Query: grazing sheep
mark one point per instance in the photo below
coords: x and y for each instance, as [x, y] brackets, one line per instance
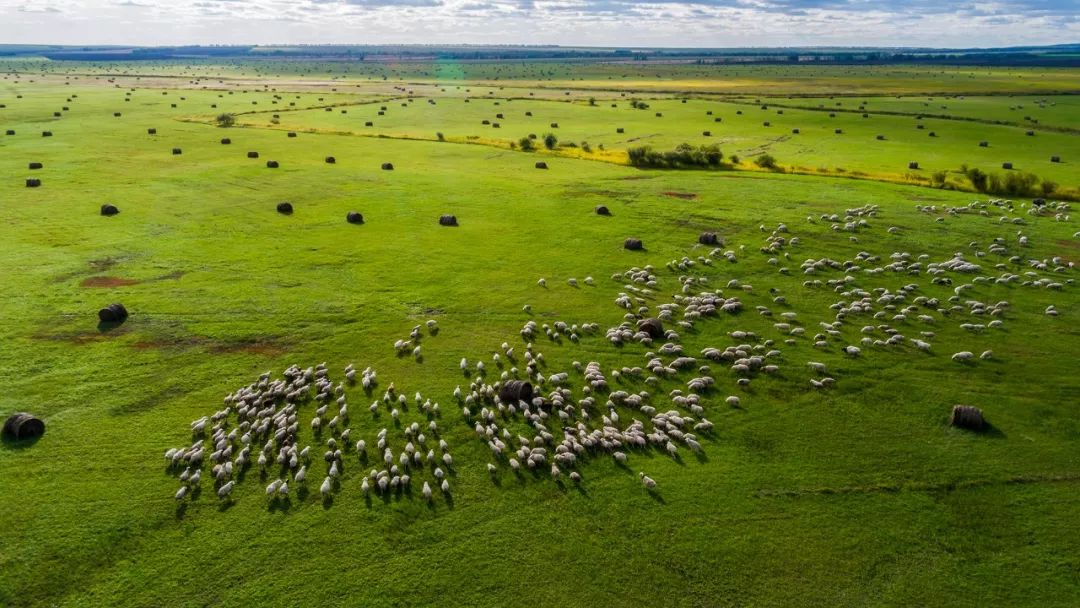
[963, 356]
[647, 481]
[325, 488]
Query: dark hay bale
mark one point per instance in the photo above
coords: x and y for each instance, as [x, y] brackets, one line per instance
[832, 115]
[116, 114]
[177, 151]
[620, 130]
[984, 144]
[765, 124]
[485, 122]
[932, 134]
[56, 114]
[292, 133]
[554, 125]
[838, 131]
[967, 417]
[602, 210]
[109, 209]
[33, 183]
[271, 164]
[494, 125]
[795, 131]
[35, 166]
[354, 217]
[1055, 159]
[284, 207]
[633, 244]
[253, 155]
[388, 166]
[913, 165]
[330, 160]
[659, 114]
[113, 313]
[879, 137]
[866, 116]
[151, 131]
[1006, 165]
[1039, 202]
[708, 238]
[920, 126]
[448, 220]
[1030, 133]
[498, 116]
[541, 164]
[225, 141]
[738, 112]
[653, 327]
[706, 133]
[9, 132]
[21, 425]
[514, 391]
[369, 124]
[528, 113]
[718, 119]
[708, 112]
[381, 113]
[46, 133]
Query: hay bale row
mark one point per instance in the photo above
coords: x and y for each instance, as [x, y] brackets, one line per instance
[515, 391]
[967, 417]
[21, 425]
[113, 313]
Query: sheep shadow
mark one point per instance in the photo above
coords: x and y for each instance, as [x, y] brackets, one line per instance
[181, 509]
[327, 501]
[281, 505]
[653, 494]
[449, 500]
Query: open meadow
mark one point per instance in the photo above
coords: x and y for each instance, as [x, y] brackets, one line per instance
[689, 381]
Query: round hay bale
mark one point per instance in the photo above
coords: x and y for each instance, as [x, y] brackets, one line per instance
[708, 238]
[448, 220]
[113, 313]
[718, 119]
[554, 125]
[541, 164]
[633, 244]
[116, 114]
[56, 114]
[984, 144]
[932, 134]
[913, 165]
[620, 130]
[388, 166]
[271, 164]
[653, 327]
[109, 209]
[330, 160]
[1006, 165]
[177, 151]
[967, 417]
[795, 131]
[602, 210]
[866, 115]
[35, 166]
[765, 124]
[33, 183]
[1055, 159]
[253, 155]
[225, 141]
[354, 217]
[369, 124]
[46, 133]
[838, 131]
[1030, 133]
[920, 126]
[151, 131]
[514, 391]
[485, 122]
[292, 133]
[9, 132]
[21, 425]
[499, 116]
[706, 133]
[284, 207]
[879, 137]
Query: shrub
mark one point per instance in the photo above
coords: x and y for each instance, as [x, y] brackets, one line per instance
[683, 156]
[550, 141]
[937, 178]
[225, 120]
[765, 161]
[734, 159]
[1048, 187]
[440, 136]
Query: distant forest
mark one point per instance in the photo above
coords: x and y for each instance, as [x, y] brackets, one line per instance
[1066, 55]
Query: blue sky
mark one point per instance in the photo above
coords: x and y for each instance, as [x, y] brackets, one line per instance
[713, 23]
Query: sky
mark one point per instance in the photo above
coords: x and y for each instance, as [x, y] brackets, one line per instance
[668, 23]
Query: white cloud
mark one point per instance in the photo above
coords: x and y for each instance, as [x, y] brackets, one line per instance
[696, 23]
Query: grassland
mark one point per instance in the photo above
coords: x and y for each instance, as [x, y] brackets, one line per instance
[856, 495]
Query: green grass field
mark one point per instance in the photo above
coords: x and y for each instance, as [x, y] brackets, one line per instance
[858, 494]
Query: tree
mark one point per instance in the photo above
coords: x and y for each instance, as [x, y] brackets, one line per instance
[765, 161]
[550, 141]
[225, 120]
[526, 144]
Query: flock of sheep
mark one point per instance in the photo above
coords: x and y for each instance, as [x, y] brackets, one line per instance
[547, 422]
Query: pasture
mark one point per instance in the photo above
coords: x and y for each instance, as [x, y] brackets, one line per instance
[839, 485]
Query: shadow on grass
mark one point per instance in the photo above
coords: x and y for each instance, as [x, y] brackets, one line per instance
[107, 326]
[11, 443]
[653, 494]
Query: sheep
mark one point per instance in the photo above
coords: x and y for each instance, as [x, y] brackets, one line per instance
[325, 488]
[445, 487]
[647, 481]
[226, 489]
[426, 491]
[963, 356]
